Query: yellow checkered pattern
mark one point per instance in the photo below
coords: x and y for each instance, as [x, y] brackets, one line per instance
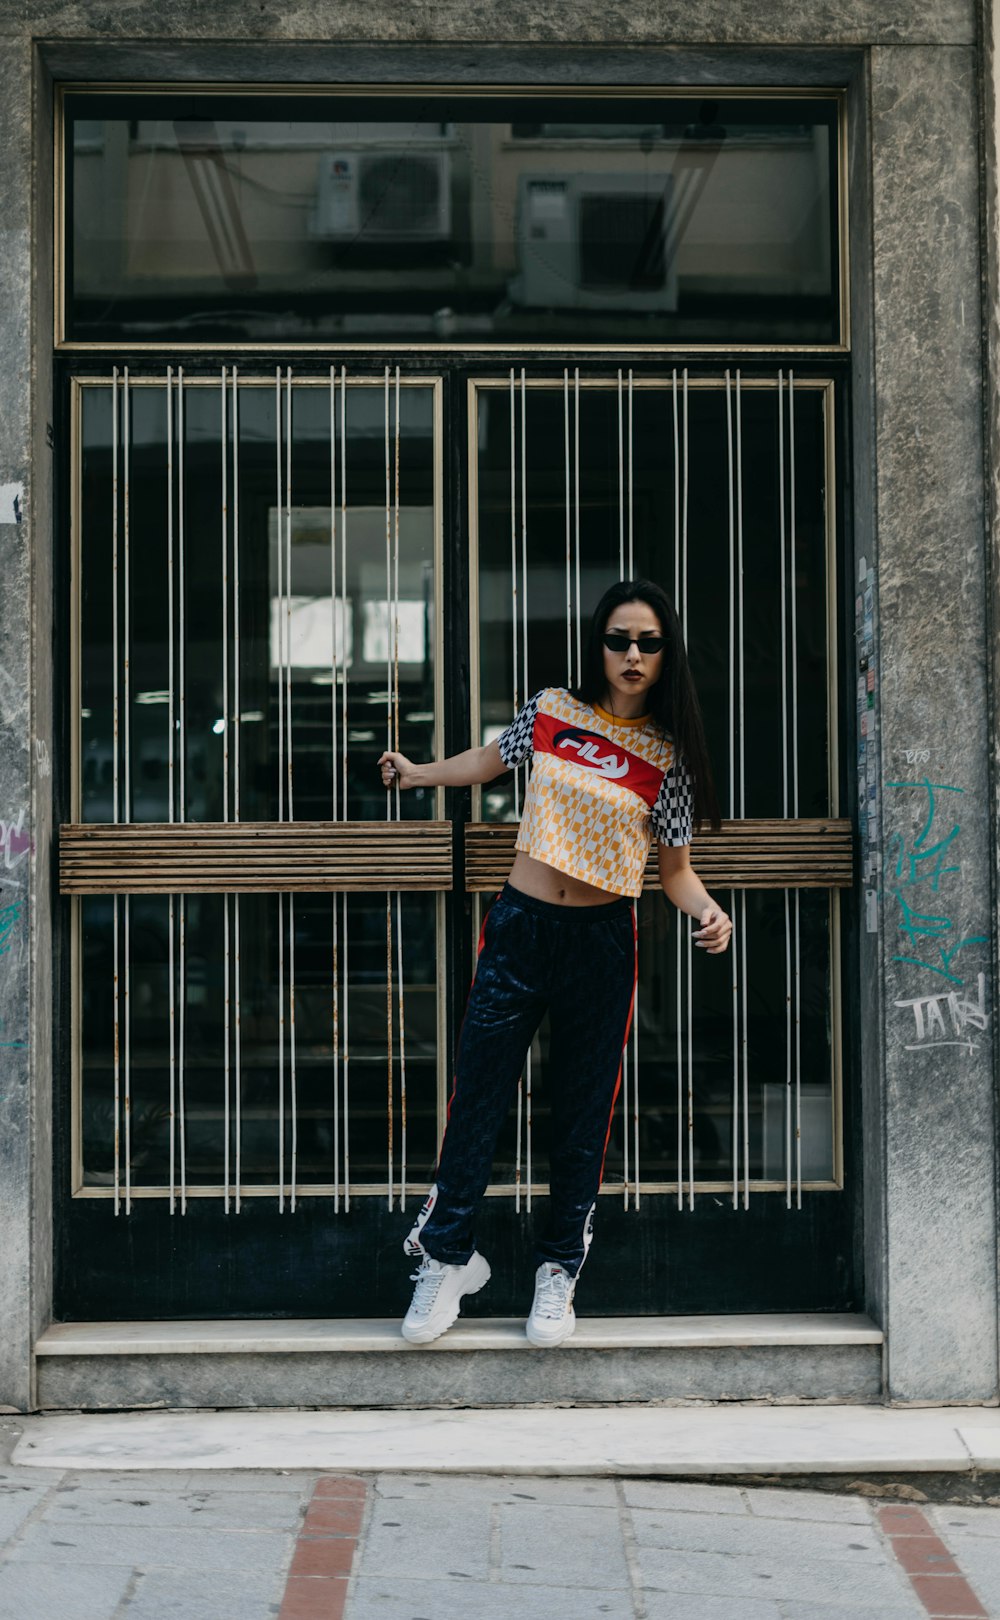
[584, 824]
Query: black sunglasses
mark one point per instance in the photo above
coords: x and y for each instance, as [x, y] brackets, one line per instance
[645, 644]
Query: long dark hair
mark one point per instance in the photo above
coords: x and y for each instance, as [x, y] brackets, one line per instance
[673, 701]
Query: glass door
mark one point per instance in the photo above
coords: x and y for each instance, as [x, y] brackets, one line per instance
[257, 1057]
[728, 1143]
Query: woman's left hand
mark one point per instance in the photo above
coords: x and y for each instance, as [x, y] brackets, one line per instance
[715, 930]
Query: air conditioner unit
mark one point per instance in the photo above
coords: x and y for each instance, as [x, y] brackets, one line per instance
[596, 241]
[380, 194]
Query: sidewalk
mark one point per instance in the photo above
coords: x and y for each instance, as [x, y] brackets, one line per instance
[245, 1545]
[163, 1516]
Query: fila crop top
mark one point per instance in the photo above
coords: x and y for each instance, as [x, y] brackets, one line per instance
[599, 788]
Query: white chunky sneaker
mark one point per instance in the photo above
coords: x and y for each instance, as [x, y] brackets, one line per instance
[438, 1296]
[552, 1316]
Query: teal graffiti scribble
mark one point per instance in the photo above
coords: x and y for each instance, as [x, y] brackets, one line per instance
[9, 916]
[924, 862]
[911, 873]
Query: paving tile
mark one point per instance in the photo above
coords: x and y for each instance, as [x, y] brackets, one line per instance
[141, 1481]
[323, 1555]
[570, 1492]
[250, 1479]
[15, 1505]
[331, 1516]
[949, 1596]
[78, 1591]
[207, 1595]
[774, 1538]
[310, 1598]
[203, 1510]
[911, 1609]
[717, 1574]
[669, 1606]
[969, 1521]
[584, 1544]
[384, 1598]
[342, 1487]
[820, 1505]
[431, 1539]
[248, 1550]
[677, 1494]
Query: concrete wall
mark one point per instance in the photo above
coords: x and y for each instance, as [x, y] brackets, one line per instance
[918, 518]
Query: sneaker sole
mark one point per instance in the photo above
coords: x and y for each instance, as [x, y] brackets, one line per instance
[550, 1344]
[479, 1276]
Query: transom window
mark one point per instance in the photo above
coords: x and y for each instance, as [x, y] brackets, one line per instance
[461, 218]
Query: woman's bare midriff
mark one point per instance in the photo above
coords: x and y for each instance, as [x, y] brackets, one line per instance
[558, 888]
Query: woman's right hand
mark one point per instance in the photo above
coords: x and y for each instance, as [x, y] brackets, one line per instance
[397, 768]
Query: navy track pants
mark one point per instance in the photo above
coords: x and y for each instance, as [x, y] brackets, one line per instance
[579, 963]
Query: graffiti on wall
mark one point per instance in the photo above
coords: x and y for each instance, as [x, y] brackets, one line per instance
[930, 936]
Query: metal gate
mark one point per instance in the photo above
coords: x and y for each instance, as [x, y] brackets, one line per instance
[265, 596]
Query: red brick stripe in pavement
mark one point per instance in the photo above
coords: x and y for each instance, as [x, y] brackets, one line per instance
[316, 1588]
[934, 1575]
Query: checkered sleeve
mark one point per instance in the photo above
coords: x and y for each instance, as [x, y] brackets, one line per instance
[674, 804]
[515, 744]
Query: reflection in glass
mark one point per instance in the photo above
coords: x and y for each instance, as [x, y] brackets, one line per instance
[454, 219]
[329, 641]
[203, 1120]
[299, 611]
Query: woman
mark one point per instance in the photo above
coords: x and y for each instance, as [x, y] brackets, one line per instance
[614, 761]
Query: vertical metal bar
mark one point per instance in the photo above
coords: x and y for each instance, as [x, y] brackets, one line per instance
[399, 897]
[171, 924]
[279, 616]
[513, 575]
[784, 787]
[517, 791]
[227, 965]
[677, 495]
[579, 619]
[678, 987]
[744, 1049]
[224, 452]
[390, 1100]
[685, 502]
[293, 1085]
[334, 781]
[293, 1082]
[527, 689]
[344, 742]
[127, 718]
[732, 791]
[182, 797]
[517, 1151]
[631, 501]
[237, 1033]
[288, 589]
[621, 484]
[569, 543]
[795, 793]
[524, 539]
[635, 1060]
[237, 716]
[115, 606]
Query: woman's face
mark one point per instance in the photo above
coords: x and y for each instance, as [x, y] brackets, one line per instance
[633, 672]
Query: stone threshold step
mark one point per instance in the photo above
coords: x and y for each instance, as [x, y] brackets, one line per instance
[348, 1336]
[679, 1442]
